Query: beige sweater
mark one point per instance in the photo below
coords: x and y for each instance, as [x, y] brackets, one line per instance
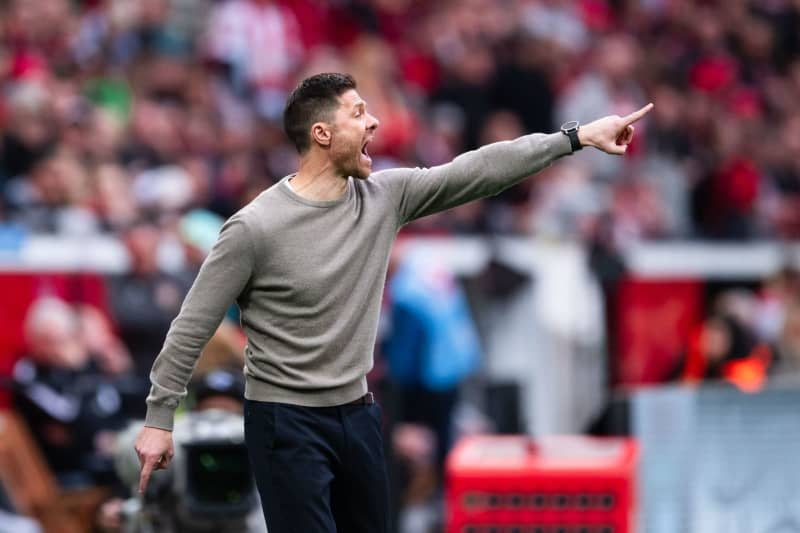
[308, 276]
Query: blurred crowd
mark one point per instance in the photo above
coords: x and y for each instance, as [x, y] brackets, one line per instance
[115, 112]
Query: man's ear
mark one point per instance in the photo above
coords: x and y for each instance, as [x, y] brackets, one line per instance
[321, 133]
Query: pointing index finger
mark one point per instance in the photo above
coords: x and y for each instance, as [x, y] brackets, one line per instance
[144, 478]
[636, 115]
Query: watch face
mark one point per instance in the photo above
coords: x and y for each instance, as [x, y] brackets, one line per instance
[572, 125]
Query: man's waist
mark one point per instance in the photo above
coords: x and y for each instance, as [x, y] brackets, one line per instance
[367, 399]
[263, 391]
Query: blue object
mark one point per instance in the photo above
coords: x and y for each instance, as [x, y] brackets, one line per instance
[12, 237]
[433, 341]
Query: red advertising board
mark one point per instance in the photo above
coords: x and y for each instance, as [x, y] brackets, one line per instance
[653, 321]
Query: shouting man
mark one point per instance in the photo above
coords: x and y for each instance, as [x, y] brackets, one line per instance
[306, 263]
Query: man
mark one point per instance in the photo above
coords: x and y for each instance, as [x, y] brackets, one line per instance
[306, 263]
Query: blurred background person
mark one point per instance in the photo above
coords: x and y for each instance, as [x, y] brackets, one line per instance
[145, 300]
[723, 349]
[430, 346]
[65, 389]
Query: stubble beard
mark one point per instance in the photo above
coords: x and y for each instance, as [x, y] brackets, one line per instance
[352, 166]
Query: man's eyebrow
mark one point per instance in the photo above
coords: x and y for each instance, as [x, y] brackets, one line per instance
[362, 104]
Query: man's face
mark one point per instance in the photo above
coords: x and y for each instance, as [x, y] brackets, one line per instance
[352, 129]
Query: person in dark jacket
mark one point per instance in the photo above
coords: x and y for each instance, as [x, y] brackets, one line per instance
[68, 395]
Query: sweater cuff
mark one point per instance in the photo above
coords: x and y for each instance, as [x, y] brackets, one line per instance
[159, 416]
[559, 145]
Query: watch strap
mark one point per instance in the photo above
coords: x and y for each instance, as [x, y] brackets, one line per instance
[574, 141]
[570, 129]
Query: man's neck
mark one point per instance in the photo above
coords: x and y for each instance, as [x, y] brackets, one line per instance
[316, 180]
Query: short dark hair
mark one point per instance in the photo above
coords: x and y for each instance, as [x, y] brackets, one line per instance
[311, 101]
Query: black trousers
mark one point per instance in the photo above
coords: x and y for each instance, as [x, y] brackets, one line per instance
[319, 469]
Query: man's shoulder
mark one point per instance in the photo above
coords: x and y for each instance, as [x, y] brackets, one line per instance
[265, 215]
[394, 172]
[387, 180]
[267, 201]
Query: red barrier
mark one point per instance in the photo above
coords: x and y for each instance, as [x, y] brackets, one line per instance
[512, 484]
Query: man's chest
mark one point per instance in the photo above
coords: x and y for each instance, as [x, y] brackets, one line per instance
[310, 262]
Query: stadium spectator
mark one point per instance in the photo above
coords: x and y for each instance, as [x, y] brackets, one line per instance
[431, 345]
[66, 391]
[722, 348]
[145, 300]
[239, 33]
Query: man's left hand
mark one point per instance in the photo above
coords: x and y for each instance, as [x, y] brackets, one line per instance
[612, 134]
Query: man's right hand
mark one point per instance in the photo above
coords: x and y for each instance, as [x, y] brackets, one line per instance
[155, 450]
[612, 134]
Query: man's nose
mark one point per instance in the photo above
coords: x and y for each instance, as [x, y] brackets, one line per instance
[373, 123]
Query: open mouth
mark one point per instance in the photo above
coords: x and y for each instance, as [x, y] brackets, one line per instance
[364, 151]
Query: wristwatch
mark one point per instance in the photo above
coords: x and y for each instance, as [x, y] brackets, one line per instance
[570, 129]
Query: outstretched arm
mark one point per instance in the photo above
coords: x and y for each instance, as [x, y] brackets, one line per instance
[495, 167]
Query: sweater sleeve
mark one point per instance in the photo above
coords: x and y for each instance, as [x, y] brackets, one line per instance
[486, 171]
[222, 277]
